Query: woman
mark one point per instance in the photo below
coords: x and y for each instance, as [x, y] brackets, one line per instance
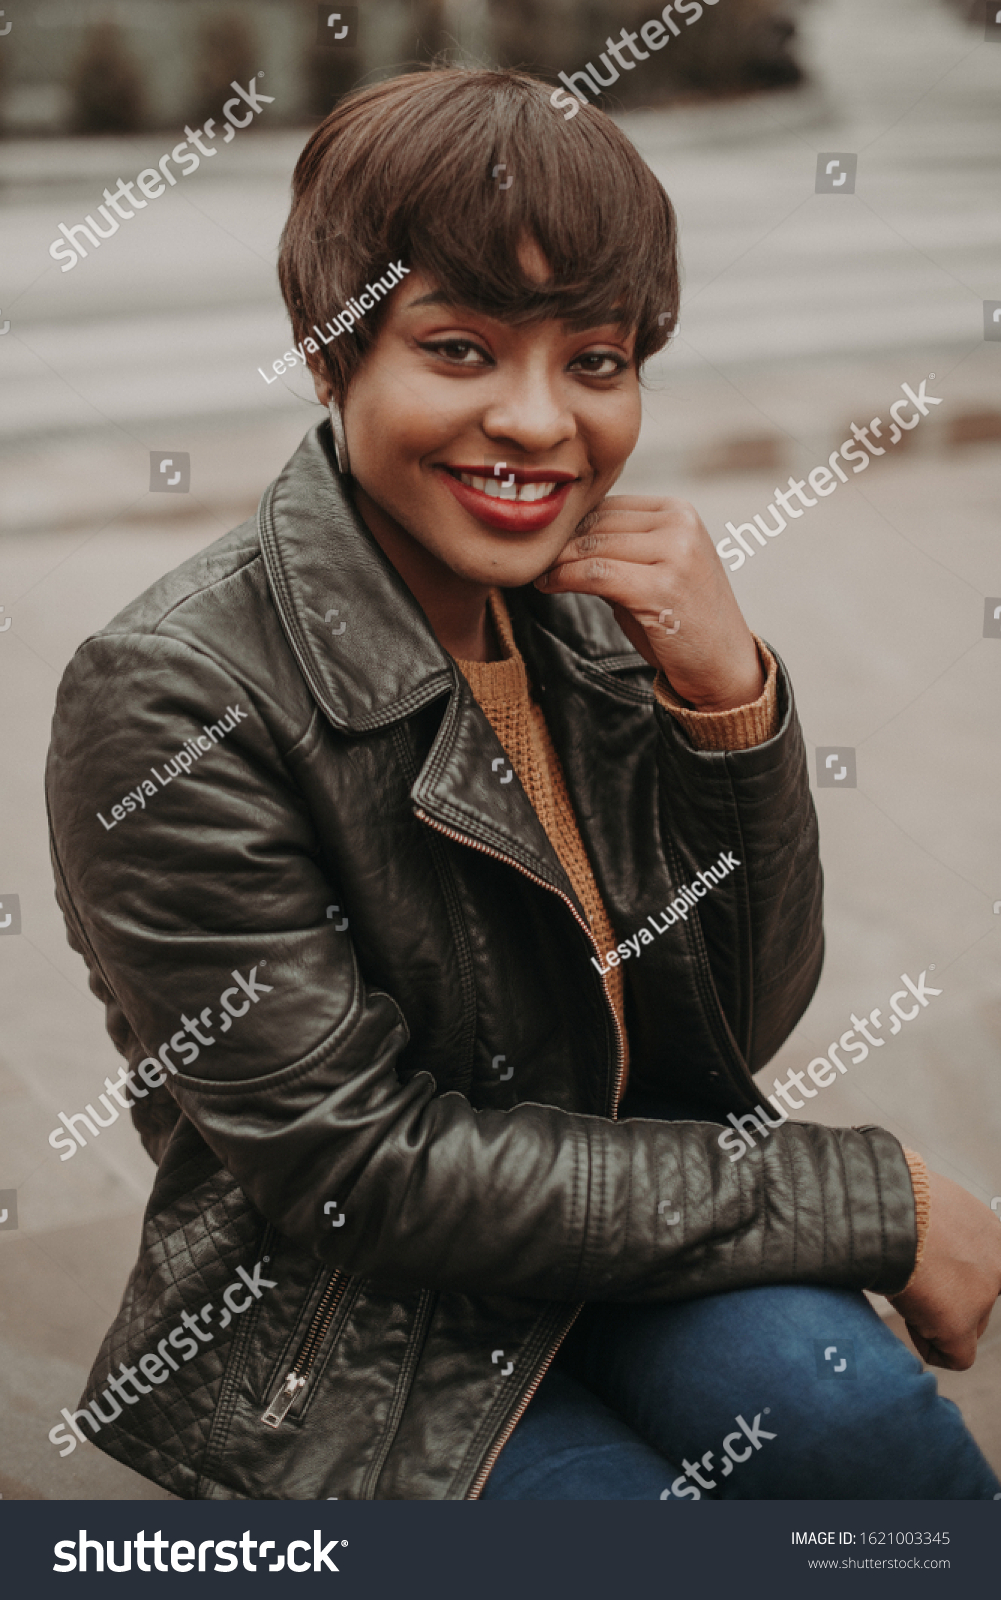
[488, 879]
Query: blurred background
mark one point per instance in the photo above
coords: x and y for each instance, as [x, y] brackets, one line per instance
[803, 313]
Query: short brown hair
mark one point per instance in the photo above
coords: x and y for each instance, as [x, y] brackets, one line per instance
[404, 170]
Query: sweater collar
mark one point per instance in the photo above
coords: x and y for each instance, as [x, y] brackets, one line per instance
[503, 682]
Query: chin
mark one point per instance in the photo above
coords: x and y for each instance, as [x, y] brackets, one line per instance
[502, 573]
[497, 562]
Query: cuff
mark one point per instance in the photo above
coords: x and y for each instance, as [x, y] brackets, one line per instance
[922, 1205]
[738, 729]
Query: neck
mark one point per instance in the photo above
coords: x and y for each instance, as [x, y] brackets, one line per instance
[455, 607]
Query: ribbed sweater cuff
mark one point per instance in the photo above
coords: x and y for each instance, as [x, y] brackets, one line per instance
[922, 1204]
[739, 729]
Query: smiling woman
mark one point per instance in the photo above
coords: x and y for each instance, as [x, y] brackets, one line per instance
[498, 763]
[511, 354]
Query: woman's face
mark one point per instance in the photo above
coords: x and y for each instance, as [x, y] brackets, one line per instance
[450, 405]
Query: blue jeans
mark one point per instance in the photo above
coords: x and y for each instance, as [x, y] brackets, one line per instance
[795, 1393]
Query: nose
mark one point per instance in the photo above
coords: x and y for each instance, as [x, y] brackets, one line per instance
[531, 414]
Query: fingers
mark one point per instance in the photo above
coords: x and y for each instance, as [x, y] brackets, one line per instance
[623, 583]
[921, 1345]
[643, 512]
[675, 528]
[635, 539]
[597, 550]
[953, 1354]
[954, 1358]
[641, 534]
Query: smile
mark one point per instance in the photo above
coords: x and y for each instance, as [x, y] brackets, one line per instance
[505, 490]
[515, 500]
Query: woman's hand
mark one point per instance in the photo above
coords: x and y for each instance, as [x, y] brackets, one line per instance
[949, 1300]
[652, 559]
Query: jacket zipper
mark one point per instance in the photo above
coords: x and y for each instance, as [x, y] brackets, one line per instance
[451, 833]
[488, 1466]
[298, 1377]
[487, 850]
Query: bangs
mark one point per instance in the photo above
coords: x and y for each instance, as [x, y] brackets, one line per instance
[449, 171]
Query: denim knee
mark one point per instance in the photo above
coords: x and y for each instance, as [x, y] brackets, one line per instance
[849, 1413]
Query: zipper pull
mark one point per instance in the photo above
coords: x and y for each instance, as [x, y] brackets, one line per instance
[279, 1408]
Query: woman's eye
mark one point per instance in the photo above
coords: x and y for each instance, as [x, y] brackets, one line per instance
[460, 352]
[600, 364]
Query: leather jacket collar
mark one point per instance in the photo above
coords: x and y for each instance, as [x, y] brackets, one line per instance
[363, 643]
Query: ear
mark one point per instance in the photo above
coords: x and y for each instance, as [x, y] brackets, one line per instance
[322, 385]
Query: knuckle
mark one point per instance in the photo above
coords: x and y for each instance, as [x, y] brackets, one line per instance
[682, 509]
[685, 520]
[688, 544]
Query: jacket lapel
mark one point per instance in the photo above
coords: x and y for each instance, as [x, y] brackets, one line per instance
[362, 641]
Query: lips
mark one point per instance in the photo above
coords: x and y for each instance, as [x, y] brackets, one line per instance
[515, 499]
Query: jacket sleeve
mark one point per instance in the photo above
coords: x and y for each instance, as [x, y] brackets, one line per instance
[203, 916]
[765, 942]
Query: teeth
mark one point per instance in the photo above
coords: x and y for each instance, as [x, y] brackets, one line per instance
[502, 490]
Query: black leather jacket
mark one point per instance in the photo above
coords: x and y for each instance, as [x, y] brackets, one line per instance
[401, 1133]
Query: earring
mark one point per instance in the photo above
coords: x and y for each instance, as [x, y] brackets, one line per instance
[340, 440]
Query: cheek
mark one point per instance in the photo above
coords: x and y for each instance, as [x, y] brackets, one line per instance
[615, 432]
[391, 425]
[384, 441]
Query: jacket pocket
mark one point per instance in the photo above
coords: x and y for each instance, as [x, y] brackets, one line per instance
[292, 1384]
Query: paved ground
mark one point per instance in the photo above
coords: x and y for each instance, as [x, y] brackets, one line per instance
[802, 314]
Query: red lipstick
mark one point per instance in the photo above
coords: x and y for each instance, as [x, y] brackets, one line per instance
[510, 516]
